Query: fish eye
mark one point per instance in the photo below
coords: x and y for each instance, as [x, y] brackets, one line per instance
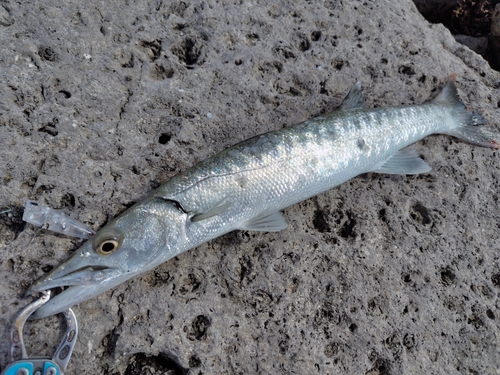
[107, 247]
[107, 242]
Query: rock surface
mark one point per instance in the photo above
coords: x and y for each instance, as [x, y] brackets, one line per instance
[103, 101]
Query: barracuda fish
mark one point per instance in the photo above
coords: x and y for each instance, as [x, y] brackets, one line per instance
[246, 186]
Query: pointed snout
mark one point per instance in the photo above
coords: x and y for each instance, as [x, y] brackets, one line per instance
[68, 273]
[85, 278]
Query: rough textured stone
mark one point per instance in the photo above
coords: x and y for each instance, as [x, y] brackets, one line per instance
[102, 101]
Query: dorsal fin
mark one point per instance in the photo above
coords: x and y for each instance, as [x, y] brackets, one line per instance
[354, 98]
[449, 94]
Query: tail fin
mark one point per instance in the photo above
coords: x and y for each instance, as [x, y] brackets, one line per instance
[468, 128]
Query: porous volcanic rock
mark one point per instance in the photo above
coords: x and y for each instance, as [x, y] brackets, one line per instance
[102, 101]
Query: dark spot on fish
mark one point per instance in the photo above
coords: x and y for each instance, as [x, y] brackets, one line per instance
[356, 122]
[241, 182]
[361, 144]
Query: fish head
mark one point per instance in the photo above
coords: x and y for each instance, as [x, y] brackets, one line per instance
[144, 236]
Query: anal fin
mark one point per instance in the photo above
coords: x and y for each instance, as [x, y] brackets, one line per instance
[266, 222]
[405, 161]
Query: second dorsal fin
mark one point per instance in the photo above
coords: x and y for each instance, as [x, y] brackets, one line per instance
[354, 98]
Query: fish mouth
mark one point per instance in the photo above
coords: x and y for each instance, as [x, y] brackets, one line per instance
[82, 276]
[82, 284]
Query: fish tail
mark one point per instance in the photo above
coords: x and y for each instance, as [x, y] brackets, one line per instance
[466, 124]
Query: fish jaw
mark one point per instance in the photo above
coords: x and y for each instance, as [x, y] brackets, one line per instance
[83, 267]
[75, 295]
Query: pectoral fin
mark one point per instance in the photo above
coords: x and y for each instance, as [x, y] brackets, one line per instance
[266, 222]
[405, 161]
[220, 208]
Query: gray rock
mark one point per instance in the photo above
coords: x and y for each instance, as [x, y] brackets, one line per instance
[103, 101]
[478, 44]
[494, 39]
